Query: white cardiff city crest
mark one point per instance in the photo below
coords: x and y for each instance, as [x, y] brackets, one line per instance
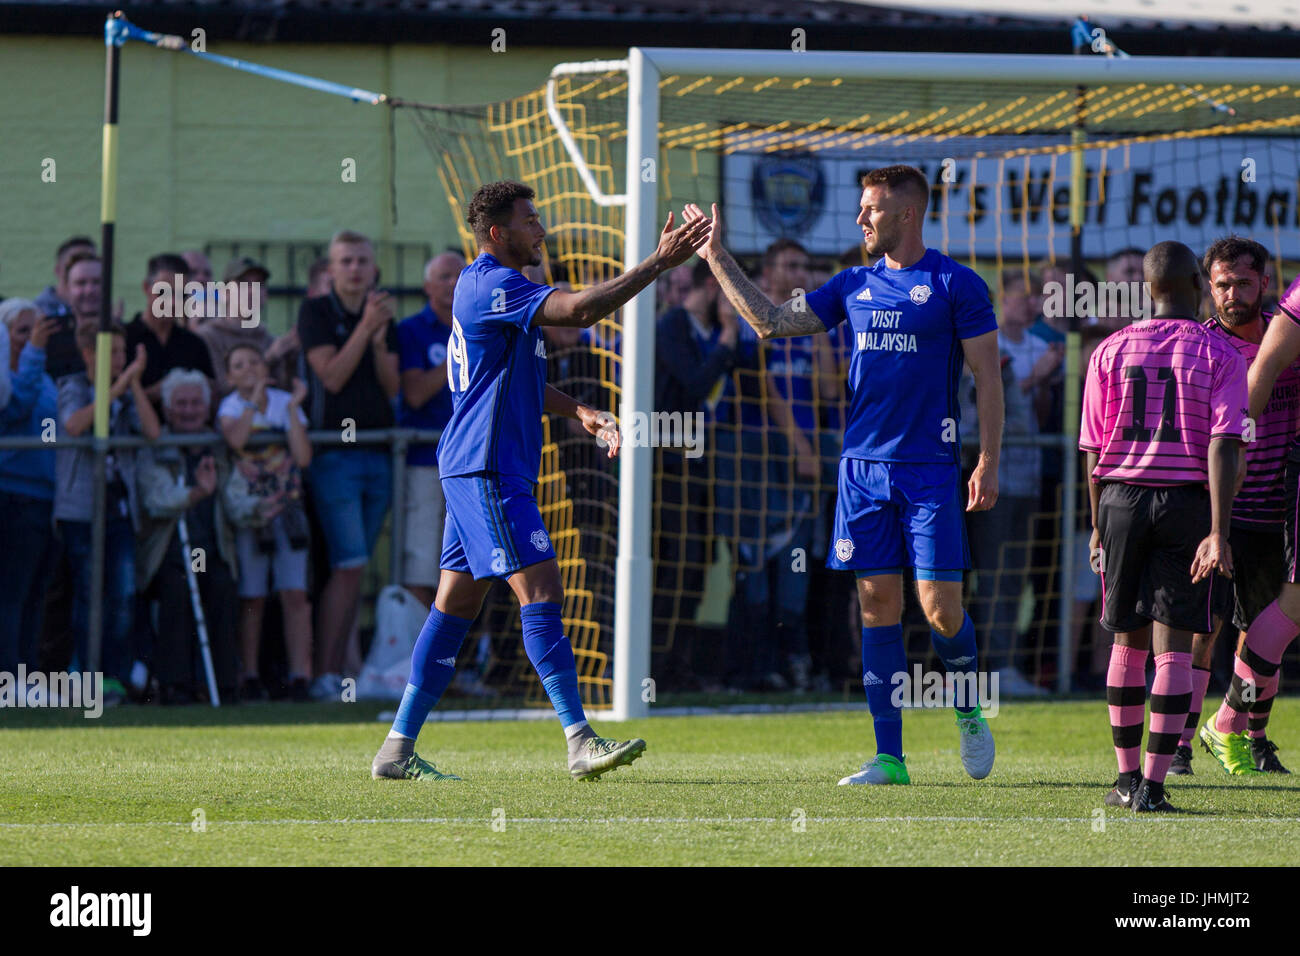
[843, 549]
[920, 294]
[540, 541]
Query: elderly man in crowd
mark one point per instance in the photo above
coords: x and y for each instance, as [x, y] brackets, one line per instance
[193, 482]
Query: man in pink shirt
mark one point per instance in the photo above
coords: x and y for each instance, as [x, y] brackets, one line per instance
[1239, 284]
[1255, 671]
[1164, 409]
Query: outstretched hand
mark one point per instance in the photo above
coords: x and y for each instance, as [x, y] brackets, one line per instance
[678, 245]
[713, 242]
[604, 426]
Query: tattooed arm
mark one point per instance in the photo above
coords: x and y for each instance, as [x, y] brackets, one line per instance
[768, 320]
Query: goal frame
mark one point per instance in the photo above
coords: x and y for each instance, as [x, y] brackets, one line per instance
[645, 66]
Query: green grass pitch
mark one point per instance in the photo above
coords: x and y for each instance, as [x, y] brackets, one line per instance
[281, 785]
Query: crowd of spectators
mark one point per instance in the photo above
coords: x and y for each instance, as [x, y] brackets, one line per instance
[230, 520]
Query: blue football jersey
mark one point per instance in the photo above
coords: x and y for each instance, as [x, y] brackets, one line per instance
[906, 327]
[496, 370]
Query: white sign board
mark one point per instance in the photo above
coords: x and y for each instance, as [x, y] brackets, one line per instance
[1192, 190]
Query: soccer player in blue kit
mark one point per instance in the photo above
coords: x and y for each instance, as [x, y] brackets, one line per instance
[489, 457]
[915, 316]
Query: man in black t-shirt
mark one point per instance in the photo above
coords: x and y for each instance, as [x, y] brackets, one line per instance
[350, 350]
[167, 343]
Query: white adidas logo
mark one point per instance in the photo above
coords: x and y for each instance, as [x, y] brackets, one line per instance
[870, 679]
[864, 295]
[541, 349]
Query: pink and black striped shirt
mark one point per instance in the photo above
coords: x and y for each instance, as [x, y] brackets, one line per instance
[1260, 501]
[1157, 392]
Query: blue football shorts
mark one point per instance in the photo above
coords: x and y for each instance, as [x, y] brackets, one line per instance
[493, 526]
[891, 515]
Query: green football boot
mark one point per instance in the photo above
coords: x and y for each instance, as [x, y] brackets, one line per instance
[1231, 750]
[880, 769]
[413, 767]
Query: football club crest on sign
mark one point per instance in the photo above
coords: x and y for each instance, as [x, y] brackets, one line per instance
[788, 193]
[539, 539]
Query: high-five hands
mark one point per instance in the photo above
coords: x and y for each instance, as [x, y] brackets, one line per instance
[693, 214]
[678, 245]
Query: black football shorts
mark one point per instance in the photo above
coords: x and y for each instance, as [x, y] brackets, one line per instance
[1149, 537]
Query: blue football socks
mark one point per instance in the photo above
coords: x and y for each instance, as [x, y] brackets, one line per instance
[882, 659]
[433, 662]
[958, 654]
[552, 656]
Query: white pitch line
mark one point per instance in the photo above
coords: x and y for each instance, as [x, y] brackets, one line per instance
[609, 821]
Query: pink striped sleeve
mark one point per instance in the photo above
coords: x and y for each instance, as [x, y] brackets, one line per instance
[1229, 400]
[1092, 423]
[1290, 301]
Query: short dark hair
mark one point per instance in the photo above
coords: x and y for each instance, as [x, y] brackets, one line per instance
[87, 332]
[72, 243]
[243, 345]
[493, 204]
[1232, 247]
[85, 255]
[780, 246]
[898, 177]
[1170, 267]
[166, 263]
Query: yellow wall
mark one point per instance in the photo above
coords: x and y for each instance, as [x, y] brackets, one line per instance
[213, 154]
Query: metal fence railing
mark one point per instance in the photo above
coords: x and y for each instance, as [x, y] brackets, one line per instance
[399, 441]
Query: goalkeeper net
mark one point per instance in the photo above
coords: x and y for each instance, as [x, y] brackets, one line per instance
[1033, 180]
